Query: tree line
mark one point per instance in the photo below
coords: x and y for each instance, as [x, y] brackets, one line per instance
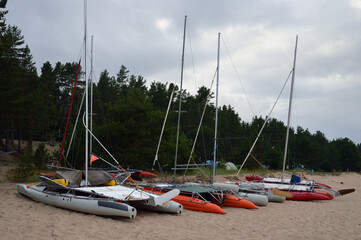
[128, 116]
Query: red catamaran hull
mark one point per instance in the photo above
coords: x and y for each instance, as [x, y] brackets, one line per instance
[310, 196]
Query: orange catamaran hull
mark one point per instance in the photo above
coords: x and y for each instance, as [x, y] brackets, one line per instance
[236, 202]
[192, 203]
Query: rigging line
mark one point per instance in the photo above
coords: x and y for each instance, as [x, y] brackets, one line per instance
[200, 124]
[196, 84]
[180, 99]
[75, 124]
[260, 150]
[229, 133]
[77, 152]
[66, 161]
[239, 79]
[264, 124]
[57, 121]
[108, 163]
[162, 172]
[202, 133]
[195, 140]
[106, 150]
[192, 56]
[67, 121]
[62, 106]
[62, 118]
[227, 125]
[80, 54]
[263, 166]
[65, 101]
[162, 131]
[103, 118]
[289, 111]
[216, 117]
[294, 120]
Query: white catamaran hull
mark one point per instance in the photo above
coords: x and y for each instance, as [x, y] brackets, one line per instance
[274, 198]
[138, 198]
[287, 181]
[288, 187]
[97, 206]
[257, 199]
[251, 192]
[167, 207]
[259, 188]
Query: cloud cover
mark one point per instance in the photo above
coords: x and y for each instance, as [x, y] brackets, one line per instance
[257, 48]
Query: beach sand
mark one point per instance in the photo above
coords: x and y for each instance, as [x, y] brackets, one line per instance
[340, 218]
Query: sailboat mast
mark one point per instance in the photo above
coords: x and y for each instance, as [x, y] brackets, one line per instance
[180, 99]
[289, 111]
[91, 96]
[86, 97]
[216, 120]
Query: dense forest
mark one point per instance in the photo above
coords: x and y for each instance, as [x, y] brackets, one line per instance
[128, 115]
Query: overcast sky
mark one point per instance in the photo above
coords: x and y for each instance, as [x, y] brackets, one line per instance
[257, 48]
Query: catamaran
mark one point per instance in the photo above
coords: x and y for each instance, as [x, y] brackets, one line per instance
[94, 194]
[104, 201]
[302, 190]
[208, 195]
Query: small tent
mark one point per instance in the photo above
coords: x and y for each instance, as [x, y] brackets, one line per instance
[230, 166]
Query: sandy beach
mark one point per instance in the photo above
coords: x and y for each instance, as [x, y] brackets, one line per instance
[340, 218]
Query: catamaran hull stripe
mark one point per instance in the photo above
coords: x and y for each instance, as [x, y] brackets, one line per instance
[113, 205]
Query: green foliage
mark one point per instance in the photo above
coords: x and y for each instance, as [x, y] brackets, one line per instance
[108, 88]
[159, 95]
[29, 163]
[41, 157]
[345, 155]
[25, 168]
[23, 101]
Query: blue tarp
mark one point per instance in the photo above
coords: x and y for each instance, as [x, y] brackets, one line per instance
[295, 179]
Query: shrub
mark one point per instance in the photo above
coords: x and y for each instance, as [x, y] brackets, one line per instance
[28, 164]
[41, 157]
[25, 168]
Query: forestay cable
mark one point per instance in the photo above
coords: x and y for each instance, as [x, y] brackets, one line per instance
[199, 126]
[264, 124]
[126, 173]
[239, 79]
[161, 133]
